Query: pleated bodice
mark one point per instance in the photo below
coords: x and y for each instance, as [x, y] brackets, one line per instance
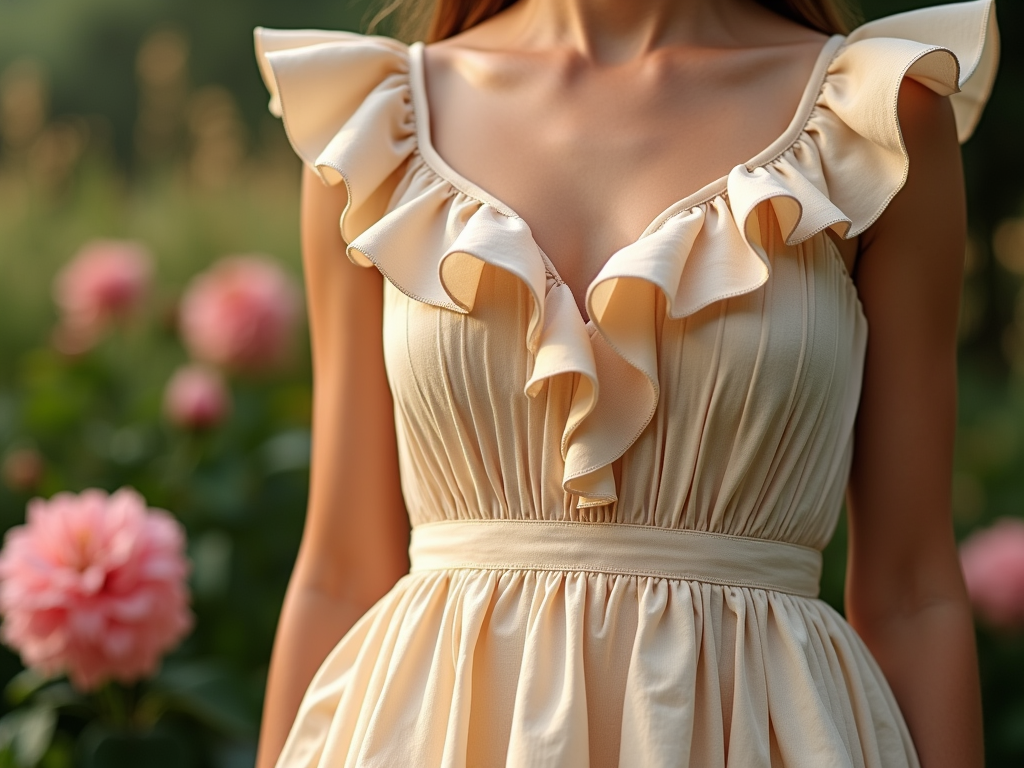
[772, 466]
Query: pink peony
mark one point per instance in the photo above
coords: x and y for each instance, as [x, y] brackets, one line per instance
[196, 397]
[241, 314]
[93, 585]
[105, 281]
[993, 566]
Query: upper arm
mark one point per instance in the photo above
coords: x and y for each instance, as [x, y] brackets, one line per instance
[356, 533]
[909, 279]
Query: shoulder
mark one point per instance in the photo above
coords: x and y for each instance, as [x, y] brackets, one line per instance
[927, 121]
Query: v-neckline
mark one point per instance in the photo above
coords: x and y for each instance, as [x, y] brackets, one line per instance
[421, 114]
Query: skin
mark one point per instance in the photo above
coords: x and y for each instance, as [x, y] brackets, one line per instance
[590, 79]
[354, 544]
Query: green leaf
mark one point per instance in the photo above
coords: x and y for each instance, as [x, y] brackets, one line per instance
[9, 724]
[34, 735]
[61, 753]
[23, 685]
[58, 695]
[208, 693]
[101, 748]
[25, 735]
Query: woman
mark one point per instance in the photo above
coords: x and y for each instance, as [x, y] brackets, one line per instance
[621, 382]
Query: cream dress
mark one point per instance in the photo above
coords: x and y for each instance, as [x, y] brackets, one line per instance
[617, 524]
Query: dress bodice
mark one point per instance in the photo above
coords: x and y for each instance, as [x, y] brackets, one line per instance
[716, 385]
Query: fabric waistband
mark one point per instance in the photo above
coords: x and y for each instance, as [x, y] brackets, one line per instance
[618, 548]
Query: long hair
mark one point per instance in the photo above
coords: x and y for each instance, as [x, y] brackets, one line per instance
[433, 20]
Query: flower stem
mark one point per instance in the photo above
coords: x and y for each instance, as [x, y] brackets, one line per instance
[113, 706]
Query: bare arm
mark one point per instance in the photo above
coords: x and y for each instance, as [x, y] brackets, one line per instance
[354, 545]
[904, 591]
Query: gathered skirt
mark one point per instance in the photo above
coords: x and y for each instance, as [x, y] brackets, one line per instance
[573, 645]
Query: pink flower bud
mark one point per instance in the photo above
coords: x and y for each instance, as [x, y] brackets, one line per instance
[94, 585]
[105, 281]
[196, 397]
[23, 470]
[993, 566]
[241, 314]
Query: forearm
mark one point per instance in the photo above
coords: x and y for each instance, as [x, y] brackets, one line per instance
[928, 656]
[311, 624]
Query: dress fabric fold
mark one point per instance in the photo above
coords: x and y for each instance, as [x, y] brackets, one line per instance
[617, 523]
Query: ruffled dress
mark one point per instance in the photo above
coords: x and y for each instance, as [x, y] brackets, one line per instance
[617, 523]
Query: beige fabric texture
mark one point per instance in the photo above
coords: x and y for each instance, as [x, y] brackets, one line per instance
[617, 523]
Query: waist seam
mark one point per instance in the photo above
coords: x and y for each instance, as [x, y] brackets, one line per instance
[574, 525]
[557, 568]
[615, 548]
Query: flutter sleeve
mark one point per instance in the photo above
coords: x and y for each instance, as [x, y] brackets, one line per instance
[346, 105]
[952, 49]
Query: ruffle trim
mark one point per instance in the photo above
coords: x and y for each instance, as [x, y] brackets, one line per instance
[845, 164]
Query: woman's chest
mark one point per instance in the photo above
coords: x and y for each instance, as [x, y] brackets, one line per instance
[801, 334]
[590, 156]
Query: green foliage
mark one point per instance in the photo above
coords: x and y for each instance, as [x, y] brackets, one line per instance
[97, 421]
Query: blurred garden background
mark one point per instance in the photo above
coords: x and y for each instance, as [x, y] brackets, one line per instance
[138, 130]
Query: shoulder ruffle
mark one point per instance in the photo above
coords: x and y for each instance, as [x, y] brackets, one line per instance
[344, 99]
[952, 49]
[967, 30]
[350, 106]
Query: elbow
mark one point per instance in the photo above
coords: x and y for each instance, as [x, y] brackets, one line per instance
[349, 581]
[878, 603]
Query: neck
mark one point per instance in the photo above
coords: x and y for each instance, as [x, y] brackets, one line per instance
[610, 31]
